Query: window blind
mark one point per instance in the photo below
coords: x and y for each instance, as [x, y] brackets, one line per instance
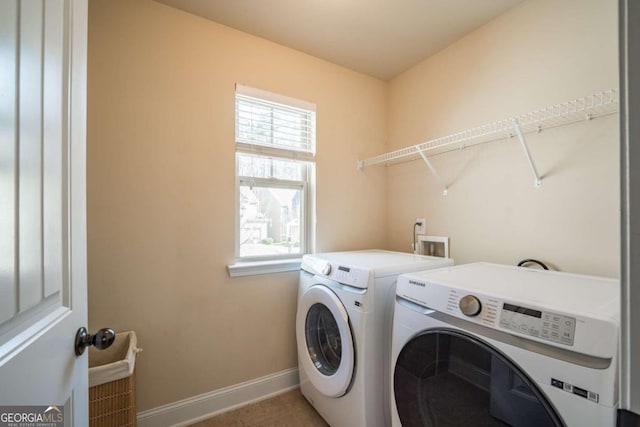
[267, 123]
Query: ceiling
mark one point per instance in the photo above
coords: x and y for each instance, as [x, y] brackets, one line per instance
[381, 38]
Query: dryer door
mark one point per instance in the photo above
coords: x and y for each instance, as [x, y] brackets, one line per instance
[446, 377]
[325, 342]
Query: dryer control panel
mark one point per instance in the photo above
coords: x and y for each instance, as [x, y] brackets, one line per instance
[494, 312]
[536, 323]
[587, 335]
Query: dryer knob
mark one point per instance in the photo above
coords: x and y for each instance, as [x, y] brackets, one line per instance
[326, 270]
[470, 305]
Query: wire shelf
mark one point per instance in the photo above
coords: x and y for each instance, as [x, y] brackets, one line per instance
[577, 110]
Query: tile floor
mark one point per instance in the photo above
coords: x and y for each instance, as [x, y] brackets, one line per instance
[289, 409]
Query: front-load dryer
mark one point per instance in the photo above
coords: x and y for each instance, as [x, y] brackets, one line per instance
[343, 331]
[486, 344]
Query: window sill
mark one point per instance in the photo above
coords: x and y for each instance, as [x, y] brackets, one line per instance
[263, 267]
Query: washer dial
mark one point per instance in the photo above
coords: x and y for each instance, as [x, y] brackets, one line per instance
[326, 270]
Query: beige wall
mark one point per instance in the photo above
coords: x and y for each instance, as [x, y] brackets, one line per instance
[540, 53]
[161, 172]
[161, 201]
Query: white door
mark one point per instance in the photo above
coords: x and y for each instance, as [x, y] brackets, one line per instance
[43, 292]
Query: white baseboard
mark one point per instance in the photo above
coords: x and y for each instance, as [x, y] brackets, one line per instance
[196, 408]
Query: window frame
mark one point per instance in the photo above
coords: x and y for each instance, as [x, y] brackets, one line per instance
[302, 185]
[307, 160]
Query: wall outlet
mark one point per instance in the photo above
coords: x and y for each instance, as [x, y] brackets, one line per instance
[421, 229]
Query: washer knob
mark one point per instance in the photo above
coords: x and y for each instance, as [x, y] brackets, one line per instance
[470, 305]
[326, 270]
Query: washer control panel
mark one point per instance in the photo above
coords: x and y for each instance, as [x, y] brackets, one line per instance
[536, 323]
[352, 276]
[347, 275]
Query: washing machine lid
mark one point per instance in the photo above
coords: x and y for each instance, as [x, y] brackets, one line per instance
[570, 311]
[356, 268]
[326, 349]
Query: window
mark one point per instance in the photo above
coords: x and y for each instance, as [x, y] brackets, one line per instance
[275, 146]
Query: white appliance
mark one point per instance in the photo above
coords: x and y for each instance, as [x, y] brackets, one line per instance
[487, 344]
[343, 331]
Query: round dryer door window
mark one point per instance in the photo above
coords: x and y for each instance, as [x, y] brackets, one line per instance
[325, 342]
[449, 378]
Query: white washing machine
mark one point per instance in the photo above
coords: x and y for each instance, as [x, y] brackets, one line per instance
[486, 344]
[343, 331]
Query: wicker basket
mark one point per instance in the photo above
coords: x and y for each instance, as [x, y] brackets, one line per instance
[112, 381]
[114, 403]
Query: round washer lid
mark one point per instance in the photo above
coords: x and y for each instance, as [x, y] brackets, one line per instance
[325, 342]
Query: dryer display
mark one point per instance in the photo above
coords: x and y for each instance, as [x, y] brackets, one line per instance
[542, 324]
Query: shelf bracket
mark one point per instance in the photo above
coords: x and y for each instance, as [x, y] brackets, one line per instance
[445, 191]
[536, 178]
